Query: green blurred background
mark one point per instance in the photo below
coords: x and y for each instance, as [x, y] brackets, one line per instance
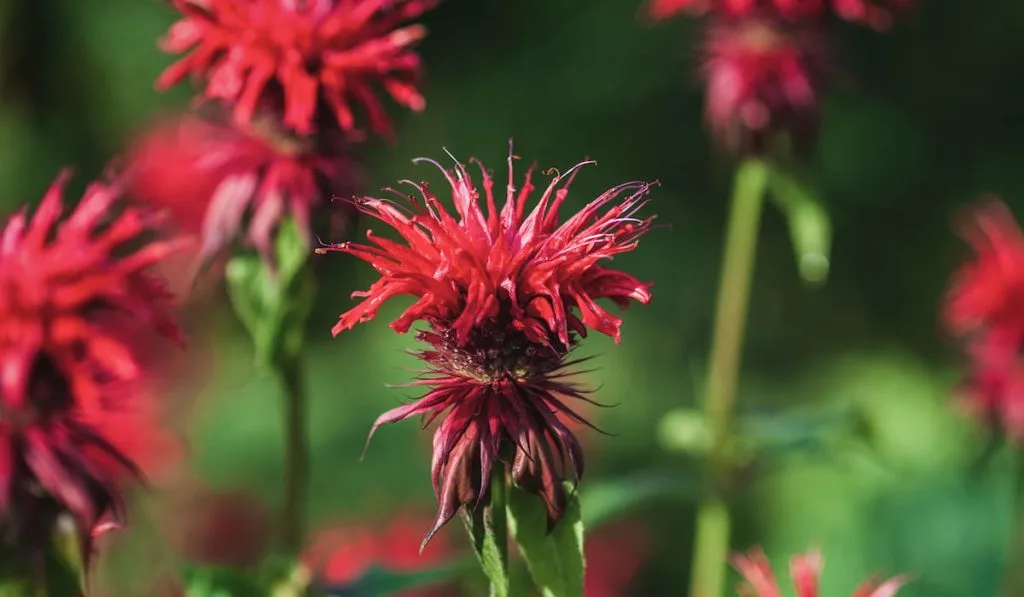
[926, 119]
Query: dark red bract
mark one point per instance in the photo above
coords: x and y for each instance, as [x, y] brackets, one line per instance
[68, 379]
[307, 59]
[875, 13]
[218, 179]
[504, 292]
[763, 79]
[985, 307]
[805, 570]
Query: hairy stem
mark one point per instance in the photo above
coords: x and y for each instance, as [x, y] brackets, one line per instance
[498, 520]
[711, 548]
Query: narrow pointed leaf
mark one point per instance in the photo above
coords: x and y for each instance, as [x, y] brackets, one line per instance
[810, 228]
[274, 304]
[555, 559]
[487, 550]
[380, 582]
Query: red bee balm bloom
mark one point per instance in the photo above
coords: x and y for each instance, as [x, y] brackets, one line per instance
[66, 375]
[805, 570]
[504, 294]
[763, 79]
[211, 175]
[341, 555]
[986, 305]
[875, 13]
[308, 57]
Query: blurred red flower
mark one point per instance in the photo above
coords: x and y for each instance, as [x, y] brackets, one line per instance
[805, 569]
[69, 381]
[875, 13]
[217, 178]
[342, 554]
[505, 295]
[312, 60]
[985, 306]
[216, 527]
[615, 554]
[763, 79]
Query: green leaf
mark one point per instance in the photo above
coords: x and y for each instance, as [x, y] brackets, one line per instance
[215, 581]
[274, 304]
[605, 500]
[487, 545]
[23, 576]
[810, 228]
[807, 431]
[380, 582]
[555, 559]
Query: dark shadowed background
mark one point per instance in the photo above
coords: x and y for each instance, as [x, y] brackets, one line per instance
[927, 118]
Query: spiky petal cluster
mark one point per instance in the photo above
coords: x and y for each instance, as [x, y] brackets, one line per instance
[308, 60]
[763, 79]
[223, 181]
[339, 556]
[874, 13]
[985, 306]
[505, 290]
[66, 376]
[805, 570]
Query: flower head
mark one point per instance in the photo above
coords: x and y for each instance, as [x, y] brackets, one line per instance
[309, 60]
[986, 307]
[218, 179]
[67, 377]
[505, 292]
[763, 80]
[341, 555]
[804, 570]
[875, 13]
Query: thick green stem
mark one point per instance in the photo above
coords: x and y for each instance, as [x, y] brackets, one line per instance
[296, 462]
[1013, 577]
[498, 520]
[711, 548]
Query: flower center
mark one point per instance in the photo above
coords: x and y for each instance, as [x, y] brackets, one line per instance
[48, 394]
[493, 353]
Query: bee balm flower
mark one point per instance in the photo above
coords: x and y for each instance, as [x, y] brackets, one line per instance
[763, 79]
[986, 307]
[874, 13]
[804, 570]
[505, 292]
[309, 60]
[66, 376]
[223, 182]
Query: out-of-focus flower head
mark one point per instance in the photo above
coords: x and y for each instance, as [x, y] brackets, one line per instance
[308, 60]
[69, 380]
[874, 13]
[985, 306]
[223, 182]
[804, 569]
[504, 291]
[763, 80]
[342, 554]
[614, 554]
[216, 527]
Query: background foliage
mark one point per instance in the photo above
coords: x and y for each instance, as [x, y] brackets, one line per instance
[922, 121]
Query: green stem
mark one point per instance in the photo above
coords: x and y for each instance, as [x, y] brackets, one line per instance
[711, 548]
[1013, 577]
[296, 463]
[498, 520]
